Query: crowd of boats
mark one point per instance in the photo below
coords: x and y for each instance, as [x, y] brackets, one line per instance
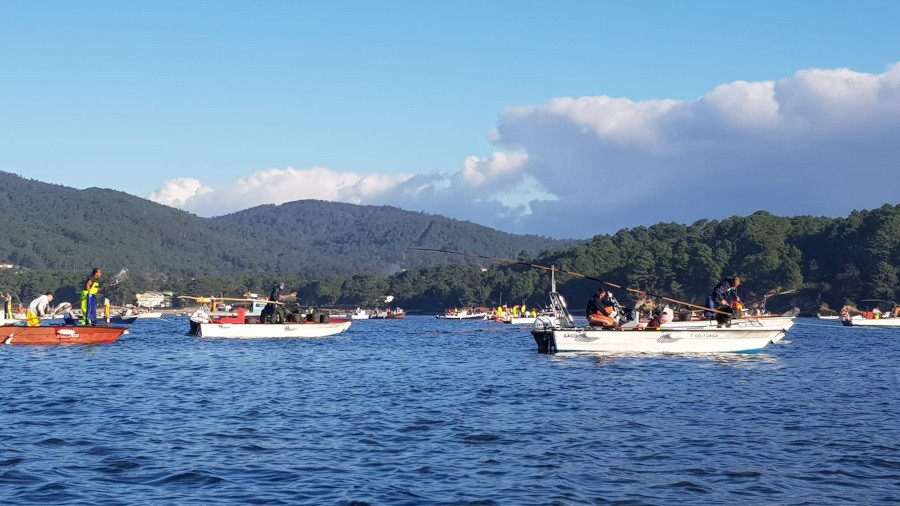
[553, 328]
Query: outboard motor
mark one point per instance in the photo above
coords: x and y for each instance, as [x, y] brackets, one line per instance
[197, 317]
[543, 337]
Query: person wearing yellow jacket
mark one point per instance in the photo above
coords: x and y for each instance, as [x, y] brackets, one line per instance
[89, 298]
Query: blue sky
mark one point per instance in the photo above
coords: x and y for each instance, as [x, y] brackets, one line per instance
[490, 111]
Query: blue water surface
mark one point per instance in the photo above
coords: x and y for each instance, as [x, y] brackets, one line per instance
[424, 411]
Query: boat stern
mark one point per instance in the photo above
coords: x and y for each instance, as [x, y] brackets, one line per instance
[544, 339]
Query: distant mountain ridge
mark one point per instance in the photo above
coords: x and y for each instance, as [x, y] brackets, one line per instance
[381, 235]
[50, 226]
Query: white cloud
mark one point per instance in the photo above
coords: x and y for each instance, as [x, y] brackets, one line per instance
[178, 192]
[818, 142]
[274, 186]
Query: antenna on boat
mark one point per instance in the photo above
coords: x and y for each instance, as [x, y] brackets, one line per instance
[552, 278]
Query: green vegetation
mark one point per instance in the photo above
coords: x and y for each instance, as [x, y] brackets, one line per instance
[346, 255]
[52, 227]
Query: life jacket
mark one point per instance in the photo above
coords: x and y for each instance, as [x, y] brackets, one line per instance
[95, 288]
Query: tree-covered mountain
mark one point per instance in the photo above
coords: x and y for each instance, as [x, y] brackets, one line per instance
[347, 255]
[378, 238]
[48, 226]
[800, 261]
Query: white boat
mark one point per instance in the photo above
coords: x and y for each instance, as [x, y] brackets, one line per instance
[782, 322]
[520, 320]
[359, 314]
[859, 321]
[464, 314]
[827, 317]
[698, 340]
[530, 320]
[553, 338]
[271, 330]
[245, 326]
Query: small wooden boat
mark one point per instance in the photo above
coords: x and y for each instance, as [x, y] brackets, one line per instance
[59, 334]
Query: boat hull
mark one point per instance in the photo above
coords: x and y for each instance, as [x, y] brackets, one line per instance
[271, 330]
[872, 322]
[783, 322]
[59, 334]
[685, 340]
[463, 316]
[531, 320]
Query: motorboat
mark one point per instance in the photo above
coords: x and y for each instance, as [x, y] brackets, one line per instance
[359, 314]
[388, 314]
[240, 327]
[863, 321]
[629, 336]
[464, 314]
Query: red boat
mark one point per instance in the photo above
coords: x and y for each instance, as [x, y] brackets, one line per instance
[59, 334]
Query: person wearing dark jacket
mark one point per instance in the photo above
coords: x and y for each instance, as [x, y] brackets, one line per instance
[274, 313]
[723, 294]
[600, 308]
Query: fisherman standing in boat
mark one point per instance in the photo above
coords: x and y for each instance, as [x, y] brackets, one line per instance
[89, 298]
[274, 313]
[8, 299]
[600, 308]
[723, 295]
[38, 307]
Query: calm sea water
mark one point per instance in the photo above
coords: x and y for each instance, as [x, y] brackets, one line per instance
[424, 411]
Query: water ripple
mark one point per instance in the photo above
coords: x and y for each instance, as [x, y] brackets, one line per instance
[428, 411]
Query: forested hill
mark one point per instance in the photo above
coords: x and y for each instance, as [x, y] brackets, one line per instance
[828, 260]
[379, 238]
[49, 226]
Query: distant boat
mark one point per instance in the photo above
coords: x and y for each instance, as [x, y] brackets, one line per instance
[359, 314]
[388, 314]
[464, 314]
[861, 321]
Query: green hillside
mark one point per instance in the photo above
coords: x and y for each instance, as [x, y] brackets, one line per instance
[378, 238]
[53, 227]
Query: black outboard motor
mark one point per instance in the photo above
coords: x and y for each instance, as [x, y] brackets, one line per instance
[544, 340]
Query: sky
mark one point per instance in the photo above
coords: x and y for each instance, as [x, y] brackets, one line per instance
[565, 119]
